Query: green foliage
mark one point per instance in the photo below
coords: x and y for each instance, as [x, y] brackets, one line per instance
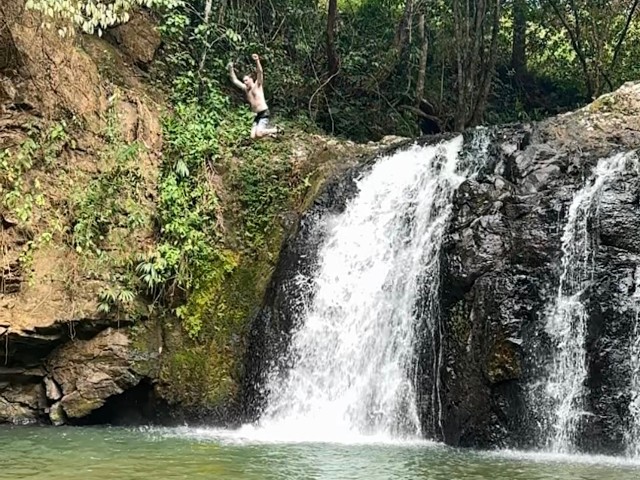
[115, 299]
[192, 260]
[26, 255]
[110, 201]
[20, 190]
[110, 216]
[203, 136]
[19, 198]
[375, 88]
[264, 185]
[193, 313]
[188, 206]
[93, 15]
[21, 194]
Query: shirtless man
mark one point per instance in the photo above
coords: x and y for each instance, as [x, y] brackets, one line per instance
[255, 96]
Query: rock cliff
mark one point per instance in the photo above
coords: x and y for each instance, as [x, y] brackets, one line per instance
[59, 98]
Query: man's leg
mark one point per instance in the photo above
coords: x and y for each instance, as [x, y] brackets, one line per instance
[267, 132]
[263, 129]
[254, 130]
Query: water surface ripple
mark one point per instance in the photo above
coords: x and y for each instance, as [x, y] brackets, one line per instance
[68, 453]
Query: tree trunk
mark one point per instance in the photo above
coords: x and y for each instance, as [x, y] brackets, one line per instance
[207, 16]
[519, 47]
[489, 67]
[208, 5]
[402, 32]
[460, 28]
[393, 57]
[475, 56]
[332, 56]
[221, 10]
[422, 70]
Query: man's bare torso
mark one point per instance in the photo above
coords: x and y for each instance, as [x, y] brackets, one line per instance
[255, 97]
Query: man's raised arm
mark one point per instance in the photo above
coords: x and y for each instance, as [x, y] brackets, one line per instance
[234, 79]
[260, 72]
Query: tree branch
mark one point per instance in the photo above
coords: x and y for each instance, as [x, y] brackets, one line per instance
[575, 44]
[623, 34]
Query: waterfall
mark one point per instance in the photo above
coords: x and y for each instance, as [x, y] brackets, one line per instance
[632, 435]
[567, 321]
[351, 360]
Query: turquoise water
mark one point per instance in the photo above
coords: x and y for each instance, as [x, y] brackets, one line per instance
[39, 453]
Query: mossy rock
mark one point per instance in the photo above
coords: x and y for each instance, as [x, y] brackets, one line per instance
[459, 324]
[503, 362]
[202, 364]
[205, 371]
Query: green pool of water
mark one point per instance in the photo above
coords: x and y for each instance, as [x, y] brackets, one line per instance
[183, 453]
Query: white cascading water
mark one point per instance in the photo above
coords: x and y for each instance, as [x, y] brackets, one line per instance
[352, 355]
[632, 435]
[566, 324]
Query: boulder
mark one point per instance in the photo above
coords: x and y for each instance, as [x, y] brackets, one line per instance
[138, 38]
[52, 389]
[21, 403]
[56, 414]
[91, 371]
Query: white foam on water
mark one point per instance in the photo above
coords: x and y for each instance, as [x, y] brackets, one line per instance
[248, 435]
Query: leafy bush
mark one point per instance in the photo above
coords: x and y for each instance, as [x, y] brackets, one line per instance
[110, 201]
[93, 15]
[20, 192]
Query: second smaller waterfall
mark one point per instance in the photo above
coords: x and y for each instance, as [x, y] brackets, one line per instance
[567, 321]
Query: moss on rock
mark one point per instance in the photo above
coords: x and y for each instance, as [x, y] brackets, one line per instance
[503, 362]
[460, 326]
[205, 372]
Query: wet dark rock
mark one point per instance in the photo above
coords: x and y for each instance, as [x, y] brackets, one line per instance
[610, 333]
[270, 330]
[499, 254]
[619, 219]
[501, 269]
